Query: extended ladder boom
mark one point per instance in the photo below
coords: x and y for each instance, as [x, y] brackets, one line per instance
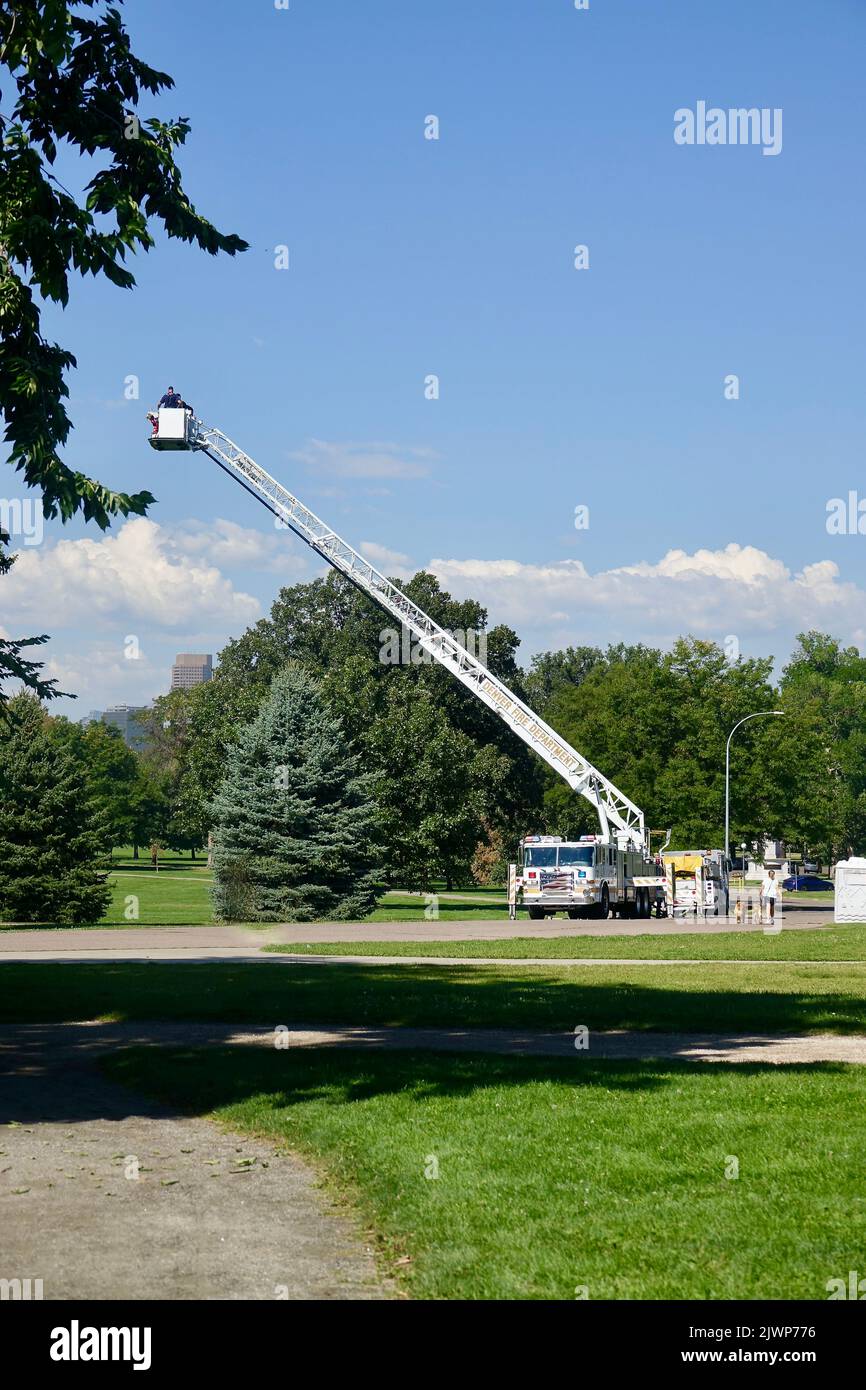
[618, 816]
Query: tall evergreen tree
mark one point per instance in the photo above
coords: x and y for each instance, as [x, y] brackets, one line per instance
[295, 825]
[52, 839]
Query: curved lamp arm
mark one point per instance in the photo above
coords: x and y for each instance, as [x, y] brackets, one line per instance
[757, 715]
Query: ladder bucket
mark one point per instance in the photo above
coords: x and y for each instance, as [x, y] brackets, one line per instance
[175, 429]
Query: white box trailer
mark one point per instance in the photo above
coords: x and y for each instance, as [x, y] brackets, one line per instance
[850, 900]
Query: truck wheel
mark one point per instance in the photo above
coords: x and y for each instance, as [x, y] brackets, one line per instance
[575, 912]
[603, 909]
[536, 914]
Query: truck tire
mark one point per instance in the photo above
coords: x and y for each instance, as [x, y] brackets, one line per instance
[602, 911]
[575, 913]
[536, 914]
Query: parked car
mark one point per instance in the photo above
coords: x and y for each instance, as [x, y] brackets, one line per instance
[807, 883]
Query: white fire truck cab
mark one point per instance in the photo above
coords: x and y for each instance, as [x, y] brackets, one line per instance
[588, 877]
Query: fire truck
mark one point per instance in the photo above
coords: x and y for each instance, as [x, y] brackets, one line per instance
[588, 877]
[612, 871]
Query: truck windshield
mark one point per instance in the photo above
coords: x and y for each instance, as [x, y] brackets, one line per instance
[540, 857]
[575, 854]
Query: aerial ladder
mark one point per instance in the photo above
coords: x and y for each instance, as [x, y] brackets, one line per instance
[621, 822]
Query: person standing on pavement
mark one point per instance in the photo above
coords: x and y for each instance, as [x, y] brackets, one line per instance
[770, 891]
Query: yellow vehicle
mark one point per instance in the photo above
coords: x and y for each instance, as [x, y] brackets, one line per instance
[696, 881]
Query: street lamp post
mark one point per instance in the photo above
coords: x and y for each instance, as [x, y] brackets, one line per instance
[743, 867]
[758, 715]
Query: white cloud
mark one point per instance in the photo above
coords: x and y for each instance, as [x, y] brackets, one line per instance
[138, 574]
[228, 545]
[388, 562]
[363, 460]
[739, 590]
[99, 675]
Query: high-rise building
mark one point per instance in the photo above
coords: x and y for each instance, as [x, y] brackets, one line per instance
[191, 668]
[129, 719]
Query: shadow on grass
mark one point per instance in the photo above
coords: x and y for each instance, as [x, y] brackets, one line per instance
[201, 1080]
[797, 999]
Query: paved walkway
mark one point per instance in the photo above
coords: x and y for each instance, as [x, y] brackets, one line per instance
[211, 1215]
[241, 943]
[68, 1043]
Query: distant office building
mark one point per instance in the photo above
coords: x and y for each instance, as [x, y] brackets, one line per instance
[191, 668]
[94, 717]
[130, 720]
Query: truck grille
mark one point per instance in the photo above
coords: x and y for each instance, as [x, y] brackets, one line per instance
[556, 881]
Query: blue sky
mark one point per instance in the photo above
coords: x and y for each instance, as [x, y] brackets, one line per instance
[558, 387]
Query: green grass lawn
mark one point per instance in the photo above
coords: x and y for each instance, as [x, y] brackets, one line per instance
[465, 904]
[841, 943]
[687, 998]
[177, 894]
[555, 1176]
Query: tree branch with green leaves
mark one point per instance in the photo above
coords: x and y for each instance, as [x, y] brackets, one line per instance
[69, 79]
